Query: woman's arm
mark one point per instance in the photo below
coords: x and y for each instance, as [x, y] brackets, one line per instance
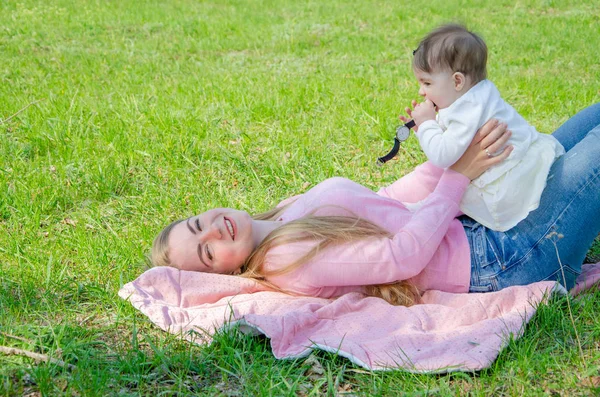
[415, 186]
[382, 260]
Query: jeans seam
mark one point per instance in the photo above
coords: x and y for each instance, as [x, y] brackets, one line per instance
[492, 245]
[564, 272]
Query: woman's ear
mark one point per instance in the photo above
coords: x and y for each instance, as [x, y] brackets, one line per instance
[460, 81]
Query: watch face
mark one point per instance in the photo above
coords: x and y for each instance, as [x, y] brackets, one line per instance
[402, 133]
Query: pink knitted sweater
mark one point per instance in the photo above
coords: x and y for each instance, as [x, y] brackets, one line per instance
[429, 246]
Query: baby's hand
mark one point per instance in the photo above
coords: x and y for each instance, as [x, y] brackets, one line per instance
[423, 111]
[408, 111]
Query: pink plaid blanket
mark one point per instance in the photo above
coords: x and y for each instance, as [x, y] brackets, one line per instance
[448, 332]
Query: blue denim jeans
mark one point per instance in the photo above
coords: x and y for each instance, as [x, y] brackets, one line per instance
[551, 243]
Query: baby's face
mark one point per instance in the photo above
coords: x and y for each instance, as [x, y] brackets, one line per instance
[438, 87]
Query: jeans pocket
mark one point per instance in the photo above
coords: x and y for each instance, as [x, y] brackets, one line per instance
[483, 248]
[492, 252]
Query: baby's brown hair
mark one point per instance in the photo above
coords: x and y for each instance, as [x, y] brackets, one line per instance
[452, 47]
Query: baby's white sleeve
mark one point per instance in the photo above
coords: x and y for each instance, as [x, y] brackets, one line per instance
[444, 148]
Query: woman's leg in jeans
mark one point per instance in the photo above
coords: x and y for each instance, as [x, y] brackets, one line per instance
[577, 127]
[563, 227]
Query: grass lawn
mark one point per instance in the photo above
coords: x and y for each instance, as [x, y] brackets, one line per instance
[119, 116]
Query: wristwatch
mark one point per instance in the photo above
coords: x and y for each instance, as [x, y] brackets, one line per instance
[402, 134]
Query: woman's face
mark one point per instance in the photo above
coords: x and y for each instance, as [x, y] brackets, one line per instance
[216, 241]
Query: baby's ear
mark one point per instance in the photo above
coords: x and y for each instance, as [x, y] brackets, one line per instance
[460, 80]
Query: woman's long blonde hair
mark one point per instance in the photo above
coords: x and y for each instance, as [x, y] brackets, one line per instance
[327, 230]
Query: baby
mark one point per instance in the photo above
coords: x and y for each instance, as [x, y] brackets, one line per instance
[450, 65]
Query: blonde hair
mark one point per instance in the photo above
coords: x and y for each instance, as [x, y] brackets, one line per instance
[452, 47]
[326, 230]
[159, 255]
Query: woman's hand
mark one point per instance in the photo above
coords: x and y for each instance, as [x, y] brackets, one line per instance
[486, 149]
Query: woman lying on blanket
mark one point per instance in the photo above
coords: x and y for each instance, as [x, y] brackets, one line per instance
[340, 236]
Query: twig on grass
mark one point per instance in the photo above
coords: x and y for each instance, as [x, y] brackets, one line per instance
[6, 120]
[35, 356]
[15, 337]
[568, 296]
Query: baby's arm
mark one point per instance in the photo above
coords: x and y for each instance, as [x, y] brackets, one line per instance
[444, 148]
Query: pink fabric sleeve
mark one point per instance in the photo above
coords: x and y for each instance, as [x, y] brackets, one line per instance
[383, 260]
[288, 200]
[414, 186]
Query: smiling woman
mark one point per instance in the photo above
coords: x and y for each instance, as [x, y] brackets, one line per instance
[342, 237]
[216, 241]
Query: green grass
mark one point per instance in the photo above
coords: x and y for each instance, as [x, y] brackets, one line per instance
[145, 111]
